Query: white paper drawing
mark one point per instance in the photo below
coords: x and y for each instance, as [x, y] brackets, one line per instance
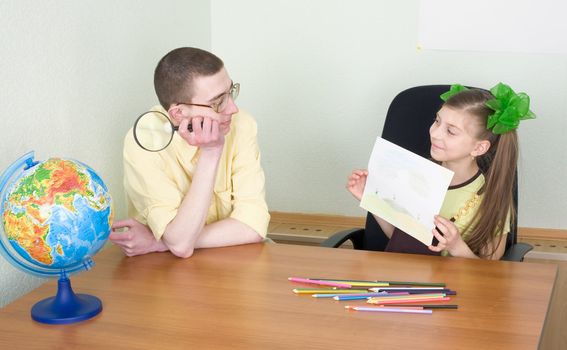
[405, 189]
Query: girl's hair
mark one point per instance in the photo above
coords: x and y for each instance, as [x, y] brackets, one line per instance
[498, 166]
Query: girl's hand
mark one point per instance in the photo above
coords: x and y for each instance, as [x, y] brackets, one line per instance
[356, 183]
[449, 238]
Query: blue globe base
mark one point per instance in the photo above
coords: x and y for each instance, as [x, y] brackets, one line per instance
[66, 307]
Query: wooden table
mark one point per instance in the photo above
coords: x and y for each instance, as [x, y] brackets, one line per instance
[240, 298]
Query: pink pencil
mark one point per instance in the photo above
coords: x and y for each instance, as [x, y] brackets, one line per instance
[321, 283]
[388, 309]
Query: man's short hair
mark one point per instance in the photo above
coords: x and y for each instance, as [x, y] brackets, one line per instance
[174, 74]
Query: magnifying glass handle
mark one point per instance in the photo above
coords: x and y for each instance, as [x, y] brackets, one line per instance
[189, 127]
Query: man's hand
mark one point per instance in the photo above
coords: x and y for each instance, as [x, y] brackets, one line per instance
[206, 133]
[137, 239]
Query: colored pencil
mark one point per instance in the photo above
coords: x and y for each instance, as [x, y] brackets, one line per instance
[432, 284]
[407, 288]
[413, 296]
[351, 294]
[415, 290]
[350, 297]
[355, 296]
[404, 301]
[431, 306]
[327, 291]
[345, 281]
[400, 283]
[444, 291]
[388, 309]
[321, 283]
[359, 283]
[409, 307]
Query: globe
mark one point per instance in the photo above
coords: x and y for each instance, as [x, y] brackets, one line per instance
[56, 215]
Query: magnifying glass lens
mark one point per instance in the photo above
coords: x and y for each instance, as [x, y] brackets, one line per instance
[153, 131]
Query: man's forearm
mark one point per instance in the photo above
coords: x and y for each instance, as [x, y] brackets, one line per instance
[183, 231]
[227, 232]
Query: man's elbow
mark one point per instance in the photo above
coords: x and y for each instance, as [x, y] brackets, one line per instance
[178, 247]
[182, 252]
[257, 238]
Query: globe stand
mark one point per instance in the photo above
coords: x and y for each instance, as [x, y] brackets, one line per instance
[66, 307]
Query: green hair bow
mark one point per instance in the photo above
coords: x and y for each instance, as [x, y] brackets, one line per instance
[455, 89]
[509, 108]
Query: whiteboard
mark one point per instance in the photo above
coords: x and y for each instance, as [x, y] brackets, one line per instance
[528, 26]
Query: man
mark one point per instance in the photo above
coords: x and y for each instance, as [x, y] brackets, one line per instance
[206, 189]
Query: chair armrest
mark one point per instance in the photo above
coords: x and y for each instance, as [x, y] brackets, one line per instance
[336, 240]
[516, 252]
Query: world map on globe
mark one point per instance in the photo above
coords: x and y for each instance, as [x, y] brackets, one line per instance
[56, 215]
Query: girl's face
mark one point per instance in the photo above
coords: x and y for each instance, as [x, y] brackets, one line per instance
[453, 137]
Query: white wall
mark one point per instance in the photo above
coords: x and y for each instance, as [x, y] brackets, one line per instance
[74, 75]
[319, 76]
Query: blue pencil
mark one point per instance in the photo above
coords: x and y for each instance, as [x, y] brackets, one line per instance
[351, 297]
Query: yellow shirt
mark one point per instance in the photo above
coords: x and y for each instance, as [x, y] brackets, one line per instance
[460, 203]
[156, 182]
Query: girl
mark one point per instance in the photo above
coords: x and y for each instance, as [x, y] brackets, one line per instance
[474, 136]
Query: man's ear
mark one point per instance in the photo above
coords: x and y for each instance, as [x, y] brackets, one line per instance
[176, 112]
[481, 148]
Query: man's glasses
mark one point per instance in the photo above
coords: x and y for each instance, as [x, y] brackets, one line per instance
[222, 101]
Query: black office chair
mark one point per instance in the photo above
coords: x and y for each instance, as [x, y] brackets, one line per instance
[409, 117]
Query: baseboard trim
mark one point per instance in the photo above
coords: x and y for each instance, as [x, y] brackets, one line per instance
[542, 233]
[281, 237]
[344, 222]
[317, 219]
[534, 254]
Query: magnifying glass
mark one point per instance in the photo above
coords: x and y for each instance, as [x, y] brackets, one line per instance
[153, 131]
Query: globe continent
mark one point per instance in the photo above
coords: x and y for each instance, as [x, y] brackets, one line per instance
[57, 214]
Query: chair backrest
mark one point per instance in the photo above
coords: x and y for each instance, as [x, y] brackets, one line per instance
[407, 123]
